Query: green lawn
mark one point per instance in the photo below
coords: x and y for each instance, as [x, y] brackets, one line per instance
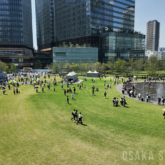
[36, 128]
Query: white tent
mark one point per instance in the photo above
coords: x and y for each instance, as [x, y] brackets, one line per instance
[72, 76]
[93, 74]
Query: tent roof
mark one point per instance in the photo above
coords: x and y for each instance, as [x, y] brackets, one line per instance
[71, 74]
[93, 72]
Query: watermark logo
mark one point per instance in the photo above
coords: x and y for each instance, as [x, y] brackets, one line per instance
[141, 155]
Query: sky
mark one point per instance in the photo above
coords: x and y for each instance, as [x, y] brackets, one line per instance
[145, 10]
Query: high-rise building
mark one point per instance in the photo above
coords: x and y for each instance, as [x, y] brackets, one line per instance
[80, 21]
[152, 38]
[90, 22]
[45, 18]
[16, 42]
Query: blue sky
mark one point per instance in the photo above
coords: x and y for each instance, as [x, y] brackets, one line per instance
[146, 10]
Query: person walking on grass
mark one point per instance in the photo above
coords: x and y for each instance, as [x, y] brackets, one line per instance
[72, 96]
[73, 114]
[3, 90]
[105, 94]
[64, 92]
[14, 91]
[67, 100]
[80, 118]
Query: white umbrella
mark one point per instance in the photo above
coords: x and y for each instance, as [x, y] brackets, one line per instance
[163, 109]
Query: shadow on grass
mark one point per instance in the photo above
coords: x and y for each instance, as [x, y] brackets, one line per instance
[84, 124]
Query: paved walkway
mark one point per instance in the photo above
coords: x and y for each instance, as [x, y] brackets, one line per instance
[119, 89]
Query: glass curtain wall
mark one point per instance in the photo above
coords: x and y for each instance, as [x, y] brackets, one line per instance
[45, 23]
[78, 18]
[122, 45]
[15, 23]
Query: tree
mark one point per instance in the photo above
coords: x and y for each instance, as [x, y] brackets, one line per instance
[60, 65]
[67, 65]
[54, 67]
[77, 45]
[71, 45]
[104, 67]
[91, 66]
[74, 67]
[120, 65]
[13, 67]
[110, 66]
[97, 66]
[163, 62]
[131, 63]
[3, 66]
[84, 46]
[138, 65]
[64, 44]
[151, 65]
[85, 66]
[38, 65]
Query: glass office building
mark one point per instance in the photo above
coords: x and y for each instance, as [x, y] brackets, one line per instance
[69, 55]
[15, 23]
[45, 24]
[15, 30]
[81, 21]
[122, 45]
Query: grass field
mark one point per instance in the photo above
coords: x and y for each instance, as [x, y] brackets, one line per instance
[36, 129]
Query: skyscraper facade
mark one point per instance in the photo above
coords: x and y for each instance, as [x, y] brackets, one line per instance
[81, 21]
[152, 38]
[90, 22]
[15, 30]
[15, 23]
[45, 18]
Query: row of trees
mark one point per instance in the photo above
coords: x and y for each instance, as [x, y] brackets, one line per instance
[71, 45]
[151, 66]
[120, 66]
[4, 67]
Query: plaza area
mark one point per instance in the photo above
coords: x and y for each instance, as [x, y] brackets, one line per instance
[36, 128]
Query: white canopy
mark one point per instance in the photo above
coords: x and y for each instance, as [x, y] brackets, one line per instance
[93, 74]
[72, 74]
